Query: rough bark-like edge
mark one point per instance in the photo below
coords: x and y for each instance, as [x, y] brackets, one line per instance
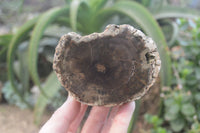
[111, 30]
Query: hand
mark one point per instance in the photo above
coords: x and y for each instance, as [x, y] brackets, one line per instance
[67, 118]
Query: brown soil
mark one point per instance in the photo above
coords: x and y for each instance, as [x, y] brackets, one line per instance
[15, 120]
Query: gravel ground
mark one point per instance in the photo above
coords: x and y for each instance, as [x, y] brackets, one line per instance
[15, 120]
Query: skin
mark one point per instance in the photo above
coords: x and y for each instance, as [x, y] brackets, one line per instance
[67, 118]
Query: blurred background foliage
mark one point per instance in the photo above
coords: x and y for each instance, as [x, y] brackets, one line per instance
[28, 37]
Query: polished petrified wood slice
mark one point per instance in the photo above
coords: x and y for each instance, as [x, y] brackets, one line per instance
[108, 68]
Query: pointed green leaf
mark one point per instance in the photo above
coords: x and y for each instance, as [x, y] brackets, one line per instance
[4, 43]
[21, 34]
[3, 53]
[74, 7]
[176, 12]
[84, 17]
[5, 39]
[23, 68]
[97, 4]
[170, 30]
[63, 21]
[76, 16]
[51, 87]
[38, 32]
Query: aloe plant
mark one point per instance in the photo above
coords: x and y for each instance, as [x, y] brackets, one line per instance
[85, 16]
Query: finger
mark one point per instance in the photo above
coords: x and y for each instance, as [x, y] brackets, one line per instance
[96, 119]
[109, 121]
[62, 117]
[76, 122]
[121, 120]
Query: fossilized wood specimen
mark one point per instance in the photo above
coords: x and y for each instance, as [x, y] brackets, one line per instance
[108, 68]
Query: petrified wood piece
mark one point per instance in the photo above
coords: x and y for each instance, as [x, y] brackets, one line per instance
[109, 68]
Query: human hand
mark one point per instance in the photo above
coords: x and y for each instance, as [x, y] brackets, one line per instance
[68, 117]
